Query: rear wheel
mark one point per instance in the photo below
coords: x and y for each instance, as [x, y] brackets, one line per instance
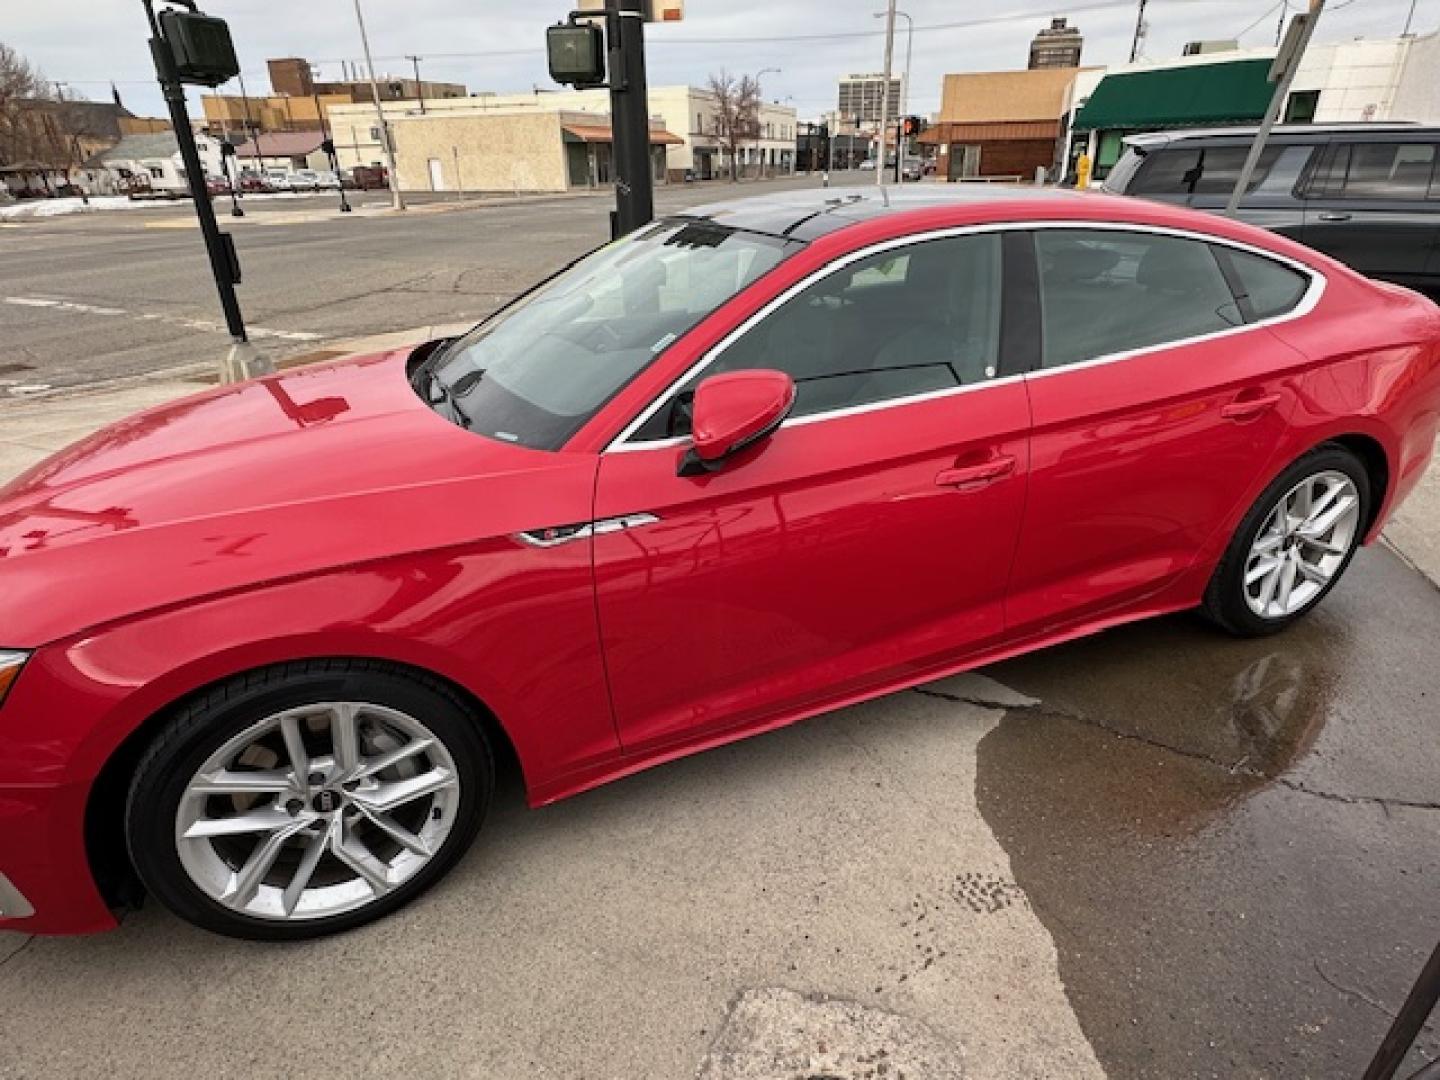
[307, 799]
[1294, 544]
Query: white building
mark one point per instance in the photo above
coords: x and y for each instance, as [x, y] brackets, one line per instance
[685, 111]
[1384, 79]
[156, 159]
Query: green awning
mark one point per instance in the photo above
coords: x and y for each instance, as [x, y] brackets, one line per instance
[1196, 95]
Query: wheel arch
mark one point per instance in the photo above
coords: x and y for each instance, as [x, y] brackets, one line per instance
[1372, 455]
[105, 844]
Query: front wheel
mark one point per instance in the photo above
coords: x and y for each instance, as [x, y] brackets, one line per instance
[1293, 545]
[307, 799]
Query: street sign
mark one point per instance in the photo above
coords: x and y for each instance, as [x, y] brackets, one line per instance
[655, 10]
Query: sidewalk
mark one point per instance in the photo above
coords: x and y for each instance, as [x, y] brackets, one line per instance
[31, 429]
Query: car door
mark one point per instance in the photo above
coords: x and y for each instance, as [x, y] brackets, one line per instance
[1156, 409]
[867, 541]
[1368, 205]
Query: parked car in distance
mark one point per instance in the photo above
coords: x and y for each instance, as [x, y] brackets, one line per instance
[327, 181]
[752, 462]
[368, 177]
[913, 169]
[868, 165]
[215, 185]
[305, 180]
[1368, 194]
[252, 183]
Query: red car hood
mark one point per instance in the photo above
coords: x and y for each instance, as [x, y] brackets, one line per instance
[287, 475]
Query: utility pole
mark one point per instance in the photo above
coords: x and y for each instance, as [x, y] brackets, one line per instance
[459, 183]
[884, 130]
[250, 132]
[629, 115]
[243, 361]
[397, 201]
[1282, 74]
[1139, 32]
[419, 86]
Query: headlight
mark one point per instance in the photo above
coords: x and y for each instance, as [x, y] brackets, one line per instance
[10, 664]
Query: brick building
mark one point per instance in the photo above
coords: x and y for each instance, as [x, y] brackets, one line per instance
[999, 123]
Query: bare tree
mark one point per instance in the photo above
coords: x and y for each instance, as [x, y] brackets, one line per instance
[21, 84]
[737, 105]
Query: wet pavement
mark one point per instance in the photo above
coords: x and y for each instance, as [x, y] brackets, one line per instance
[1235, 845]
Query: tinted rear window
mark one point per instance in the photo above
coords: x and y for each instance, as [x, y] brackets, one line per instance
[1273, 289]
[1213, 170]
[1374, 170]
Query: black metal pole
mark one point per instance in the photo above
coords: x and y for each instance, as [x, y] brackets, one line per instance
[1409, 1021]
[329, 146]
[217, 244]
[629, 115]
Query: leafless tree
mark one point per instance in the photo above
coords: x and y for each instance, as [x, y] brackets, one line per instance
[737, 105]
[21, 84]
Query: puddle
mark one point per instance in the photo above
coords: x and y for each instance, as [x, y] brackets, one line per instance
[1232, 842]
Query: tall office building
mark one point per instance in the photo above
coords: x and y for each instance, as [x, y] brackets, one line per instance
[1057, 46]
[861, 97]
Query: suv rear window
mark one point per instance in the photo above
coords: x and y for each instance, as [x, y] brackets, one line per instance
[1375, 170]
[1212, 170]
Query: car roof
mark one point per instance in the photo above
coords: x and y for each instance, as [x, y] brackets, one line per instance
[812, 213]
[1151, 139]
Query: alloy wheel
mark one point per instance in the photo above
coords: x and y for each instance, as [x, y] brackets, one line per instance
[317, 811]
[1302, 545]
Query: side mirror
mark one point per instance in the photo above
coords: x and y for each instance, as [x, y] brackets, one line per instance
[733, 411]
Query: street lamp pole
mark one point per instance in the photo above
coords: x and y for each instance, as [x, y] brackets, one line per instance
[902, 147]
[760, 96]
[397, 201]
[885, 93]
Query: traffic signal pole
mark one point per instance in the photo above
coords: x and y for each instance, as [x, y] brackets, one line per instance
[629, 115]
[243, 361]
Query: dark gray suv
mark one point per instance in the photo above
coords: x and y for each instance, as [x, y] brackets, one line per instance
[1368, 194]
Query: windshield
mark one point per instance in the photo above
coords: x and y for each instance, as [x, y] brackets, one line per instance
[536, 371]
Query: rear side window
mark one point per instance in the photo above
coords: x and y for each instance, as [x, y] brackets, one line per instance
[1166, 172]
[1110, 291]
[1272, 289]
[1395, 170]
[1213, 170]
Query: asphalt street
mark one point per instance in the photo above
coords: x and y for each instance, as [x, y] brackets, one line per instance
[1159, 852]
[123, 293]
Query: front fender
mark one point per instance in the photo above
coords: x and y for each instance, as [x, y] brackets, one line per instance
[515, 628]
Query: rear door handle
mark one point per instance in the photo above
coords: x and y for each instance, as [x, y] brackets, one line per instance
[1330, 215]
[975, 476]
[1247, 408]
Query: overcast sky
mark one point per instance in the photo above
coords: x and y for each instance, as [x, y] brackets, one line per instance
[88, 43]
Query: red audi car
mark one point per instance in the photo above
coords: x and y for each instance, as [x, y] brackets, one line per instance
[263, 647]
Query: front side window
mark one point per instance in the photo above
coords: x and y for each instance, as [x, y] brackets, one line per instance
[1109, 291]
[906, 321]
[535, 372]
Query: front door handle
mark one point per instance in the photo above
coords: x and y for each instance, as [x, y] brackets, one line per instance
[1248, 408]
[1331, 215]
[969, 477]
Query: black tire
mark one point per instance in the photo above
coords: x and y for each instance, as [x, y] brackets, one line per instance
[1224, 603]
[208, 721]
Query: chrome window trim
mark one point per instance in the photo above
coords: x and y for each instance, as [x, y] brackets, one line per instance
[621, 444]
[13, 904]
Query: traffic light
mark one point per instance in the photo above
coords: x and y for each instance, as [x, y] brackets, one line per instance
[914, 125]
[203, 52]
[576, 52]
